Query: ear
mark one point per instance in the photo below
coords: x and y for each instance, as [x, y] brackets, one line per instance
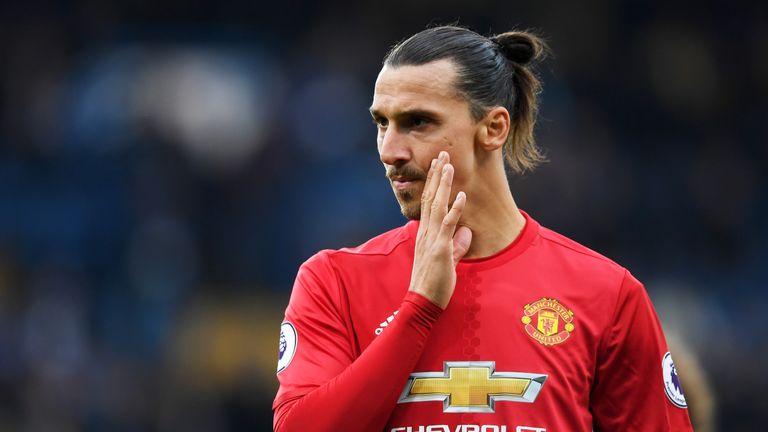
[493, 129]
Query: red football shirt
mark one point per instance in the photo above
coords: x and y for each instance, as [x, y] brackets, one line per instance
[545, 335]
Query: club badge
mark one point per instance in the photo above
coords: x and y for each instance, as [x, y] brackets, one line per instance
[548, 321]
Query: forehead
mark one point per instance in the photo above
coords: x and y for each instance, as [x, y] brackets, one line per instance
[426, 86]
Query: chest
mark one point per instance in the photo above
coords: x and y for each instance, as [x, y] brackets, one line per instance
[520, 336]
[516, 319]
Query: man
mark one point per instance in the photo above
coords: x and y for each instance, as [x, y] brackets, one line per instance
[472, 316]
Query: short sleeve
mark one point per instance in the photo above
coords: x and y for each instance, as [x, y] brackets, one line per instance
[636, 386]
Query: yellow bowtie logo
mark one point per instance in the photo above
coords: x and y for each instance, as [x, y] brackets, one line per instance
[472, 387]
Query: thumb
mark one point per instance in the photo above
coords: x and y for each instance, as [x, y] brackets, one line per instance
[462, 238]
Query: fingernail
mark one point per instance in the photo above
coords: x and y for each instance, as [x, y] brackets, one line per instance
[443, 155]
[445, 168]
[434, 162]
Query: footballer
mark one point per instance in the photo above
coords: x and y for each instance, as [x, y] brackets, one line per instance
[471, 317]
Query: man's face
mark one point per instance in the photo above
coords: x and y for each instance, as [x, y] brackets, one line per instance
[418, 113]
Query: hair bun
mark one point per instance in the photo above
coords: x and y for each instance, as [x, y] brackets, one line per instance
[520, 47]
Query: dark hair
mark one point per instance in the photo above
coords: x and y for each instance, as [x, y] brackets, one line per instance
[492, 71]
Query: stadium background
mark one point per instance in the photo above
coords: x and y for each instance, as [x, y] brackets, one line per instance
[166, 166]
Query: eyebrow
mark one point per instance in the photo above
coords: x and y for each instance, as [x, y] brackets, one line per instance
[417, 112]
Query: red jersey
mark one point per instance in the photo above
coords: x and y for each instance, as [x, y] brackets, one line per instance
[545, 335]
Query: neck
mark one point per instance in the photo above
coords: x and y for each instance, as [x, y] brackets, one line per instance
[494, 219]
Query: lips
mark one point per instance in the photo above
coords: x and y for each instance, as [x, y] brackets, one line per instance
[401, 182]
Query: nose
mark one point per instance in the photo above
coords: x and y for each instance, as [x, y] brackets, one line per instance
[393, 147]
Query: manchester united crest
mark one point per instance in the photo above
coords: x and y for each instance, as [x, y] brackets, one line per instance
[548, 321]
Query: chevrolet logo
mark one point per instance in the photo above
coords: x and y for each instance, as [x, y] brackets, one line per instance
[472, 387]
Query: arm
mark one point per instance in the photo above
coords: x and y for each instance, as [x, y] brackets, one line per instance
[629, 389]
[326, 387]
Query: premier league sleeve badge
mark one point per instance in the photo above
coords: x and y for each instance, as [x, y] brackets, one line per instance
[672, 386]
[288, 341]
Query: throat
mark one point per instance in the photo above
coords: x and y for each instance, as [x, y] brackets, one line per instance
[490, 238]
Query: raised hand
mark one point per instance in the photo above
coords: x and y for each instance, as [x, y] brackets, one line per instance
[440, 244]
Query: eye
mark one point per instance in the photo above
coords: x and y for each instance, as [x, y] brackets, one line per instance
[380, 122]
[417, 121]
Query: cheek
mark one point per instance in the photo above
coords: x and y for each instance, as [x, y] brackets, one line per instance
[464, 168]
[462, 158]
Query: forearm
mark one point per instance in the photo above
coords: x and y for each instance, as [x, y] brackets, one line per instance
[346, 402]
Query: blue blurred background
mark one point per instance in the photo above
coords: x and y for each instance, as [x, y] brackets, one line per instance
[166, 166]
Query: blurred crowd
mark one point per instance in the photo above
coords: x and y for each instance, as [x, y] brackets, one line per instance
[166, 166]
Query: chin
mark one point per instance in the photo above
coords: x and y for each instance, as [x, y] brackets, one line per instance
[411, 213]
[409, 207]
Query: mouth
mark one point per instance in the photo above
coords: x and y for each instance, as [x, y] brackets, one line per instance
[401, 183]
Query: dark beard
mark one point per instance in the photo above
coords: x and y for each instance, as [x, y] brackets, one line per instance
[410, 206]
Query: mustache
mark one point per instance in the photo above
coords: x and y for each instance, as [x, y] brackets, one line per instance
[407, 171]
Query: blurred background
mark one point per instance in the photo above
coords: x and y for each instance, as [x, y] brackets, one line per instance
[165, 167]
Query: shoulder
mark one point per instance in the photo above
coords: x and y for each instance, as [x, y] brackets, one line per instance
[326, 275]
[573, 248]
[609, 281]
[595, 273]
[577, 253]
[383, 245]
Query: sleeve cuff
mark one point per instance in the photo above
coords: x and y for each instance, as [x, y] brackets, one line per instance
[424, 306]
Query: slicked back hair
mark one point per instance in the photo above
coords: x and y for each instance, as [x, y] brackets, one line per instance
[492, 71]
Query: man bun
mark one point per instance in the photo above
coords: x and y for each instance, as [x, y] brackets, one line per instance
[491, 72]
[520, 47]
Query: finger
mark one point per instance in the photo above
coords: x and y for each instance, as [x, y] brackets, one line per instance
[426, 201]
[451, 219]
[430, 188]
[434, 180]
[440, 203]
[461, 241]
